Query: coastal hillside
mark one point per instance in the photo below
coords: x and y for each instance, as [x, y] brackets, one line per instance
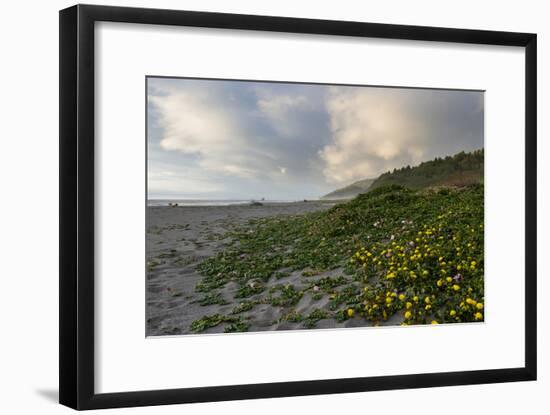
[350, 191]
[459, 170]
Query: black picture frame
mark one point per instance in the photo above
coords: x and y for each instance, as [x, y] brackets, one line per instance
[76, 278]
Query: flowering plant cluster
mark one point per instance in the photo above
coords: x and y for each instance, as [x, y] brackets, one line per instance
[434, 274]
[390, 256]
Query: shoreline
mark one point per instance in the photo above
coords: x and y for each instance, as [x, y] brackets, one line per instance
[178, 239]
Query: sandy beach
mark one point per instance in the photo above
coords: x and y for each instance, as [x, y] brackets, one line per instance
[179, 238]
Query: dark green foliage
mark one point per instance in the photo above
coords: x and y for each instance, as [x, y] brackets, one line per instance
[417, 226]
[288, 296]
[212, 298]
[311, 320]
[244, 306]
[459, 170]
[207, 322]
[248, 290]
[292, 317]
[237, 326]
[328, 282]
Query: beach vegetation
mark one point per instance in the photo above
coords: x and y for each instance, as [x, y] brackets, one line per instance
[412, 254]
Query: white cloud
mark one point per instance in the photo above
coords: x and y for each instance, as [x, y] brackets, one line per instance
[197, 122]
[281, 111]
[191, 124]
[373, 130]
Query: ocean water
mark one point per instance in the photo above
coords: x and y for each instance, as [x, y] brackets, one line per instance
[203, 202]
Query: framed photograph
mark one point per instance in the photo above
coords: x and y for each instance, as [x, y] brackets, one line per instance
[258, 207]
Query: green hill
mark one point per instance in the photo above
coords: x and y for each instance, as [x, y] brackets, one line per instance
[350, 191]
[459, 170]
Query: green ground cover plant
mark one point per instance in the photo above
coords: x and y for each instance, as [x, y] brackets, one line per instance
[413, 256]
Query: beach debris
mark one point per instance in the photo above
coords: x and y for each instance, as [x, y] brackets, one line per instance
[173, 292]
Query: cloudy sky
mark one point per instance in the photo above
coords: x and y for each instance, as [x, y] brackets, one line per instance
[247, 140]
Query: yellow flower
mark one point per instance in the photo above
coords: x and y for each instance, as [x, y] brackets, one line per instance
[428, 307]
[449, 279]
[350, 312]
[452, 313]
[401, 297]
[390, 275]
[408, 314]
[434, 322]
[388, 300]
[366, 289]
[478, 316]
[479, 306]
[415, 298]
[427, 300]
[439, 283]
[456, 287]
[425, 272]
[408, 305]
